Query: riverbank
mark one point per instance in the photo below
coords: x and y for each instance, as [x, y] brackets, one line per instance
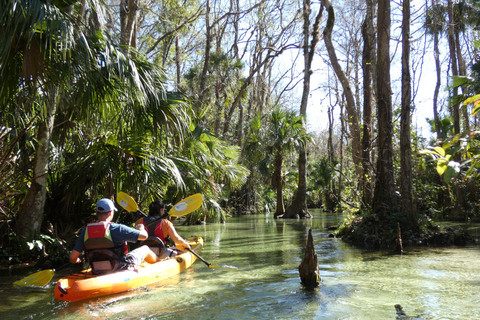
[370, 232]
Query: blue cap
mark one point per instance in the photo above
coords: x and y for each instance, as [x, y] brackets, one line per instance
[105, 205]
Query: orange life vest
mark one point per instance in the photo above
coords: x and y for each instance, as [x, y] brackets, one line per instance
[154, 229]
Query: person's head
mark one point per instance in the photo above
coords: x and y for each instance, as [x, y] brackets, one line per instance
[155, 208]
[105, 208]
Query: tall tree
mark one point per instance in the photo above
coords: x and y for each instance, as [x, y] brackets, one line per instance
[128, 23]
[406, 187]
[298, 208]
[454, 63]
[347, 91]
[368, 67]
[31, 59]
[285, 135]
[385, 200]
[434, 24]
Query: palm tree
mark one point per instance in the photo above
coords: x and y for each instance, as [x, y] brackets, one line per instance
[69, 69]
[286, 133]
[210, 165]
[37, 38]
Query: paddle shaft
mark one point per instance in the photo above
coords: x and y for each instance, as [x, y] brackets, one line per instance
[196, 255]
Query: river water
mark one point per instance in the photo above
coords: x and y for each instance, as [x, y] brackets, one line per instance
[258, 279]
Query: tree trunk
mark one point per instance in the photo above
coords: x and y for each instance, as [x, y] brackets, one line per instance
[177, 62]
[385, 200]
[278, 181]
[123, 21]
[342, 139]
[128, 22]
[453, 60]
[330, 150]
[462, 71]
[438, 68]
[30, 215]
[308, 268]
[347, 91]
[367, 62]
[206, 65]
[298, 208]
[408, 210]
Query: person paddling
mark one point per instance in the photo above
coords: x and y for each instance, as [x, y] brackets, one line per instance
[105, 243]
[157, 225]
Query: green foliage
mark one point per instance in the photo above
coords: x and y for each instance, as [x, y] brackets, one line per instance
[446, 126]
[116, 128]
[445, 166]
[320, 180]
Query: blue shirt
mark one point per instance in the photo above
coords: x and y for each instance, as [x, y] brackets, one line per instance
[119, 232]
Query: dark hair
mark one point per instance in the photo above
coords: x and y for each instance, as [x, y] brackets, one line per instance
[154, 207]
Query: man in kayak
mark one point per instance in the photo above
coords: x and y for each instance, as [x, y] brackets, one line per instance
[105, 243]
[162, 228]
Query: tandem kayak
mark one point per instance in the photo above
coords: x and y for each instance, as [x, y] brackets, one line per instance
[85, 285]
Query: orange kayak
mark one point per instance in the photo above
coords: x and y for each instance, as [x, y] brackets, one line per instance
[85, 285]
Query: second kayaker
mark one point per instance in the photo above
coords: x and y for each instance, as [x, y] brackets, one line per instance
[163, 228]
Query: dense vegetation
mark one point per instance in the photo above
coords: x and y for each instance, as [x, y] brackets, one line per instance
[165, 99]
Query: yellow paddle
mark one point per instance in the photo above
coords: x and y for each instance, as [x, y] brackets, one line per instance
[40, 278]
[182, 208]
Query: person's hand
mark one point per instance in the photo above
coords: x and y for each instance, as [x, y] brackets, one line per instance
[185, 245]
[78, 260]
[140, 227]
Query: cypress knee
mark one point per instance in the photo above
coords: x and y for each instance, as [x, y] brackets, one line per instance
[308, 268]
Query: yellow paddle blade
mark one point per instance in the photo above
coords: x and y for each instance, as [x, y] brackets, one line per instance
[41, 278]
[186, 205]
[126, 202]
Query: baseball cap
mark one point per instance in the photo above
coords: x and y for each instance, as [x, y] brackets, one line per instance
[105, 205]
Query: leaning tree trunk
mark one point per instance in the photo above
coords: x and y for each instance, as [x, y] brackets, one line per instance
[384, 200]
[206, 65]
[30, 215]
[347, 91]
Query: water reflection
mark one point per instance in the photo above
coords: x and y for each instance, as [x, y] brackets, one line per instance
[436, 283]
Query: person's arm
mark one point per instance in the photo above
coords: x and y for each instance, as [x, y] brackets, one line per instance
[143, 233]
[75, 256]
[78, 248]
[139, 221]
[176, 237]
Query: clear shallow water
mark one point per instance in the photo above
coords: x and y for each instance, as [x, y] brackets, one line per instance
[259, 279]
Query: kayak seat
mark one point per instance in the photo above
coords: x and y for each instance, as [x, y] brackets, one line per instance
[103, 261]
[154, 243]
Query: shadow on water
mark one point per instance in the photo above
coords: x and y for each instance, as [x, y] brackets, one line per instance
[437, 283]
